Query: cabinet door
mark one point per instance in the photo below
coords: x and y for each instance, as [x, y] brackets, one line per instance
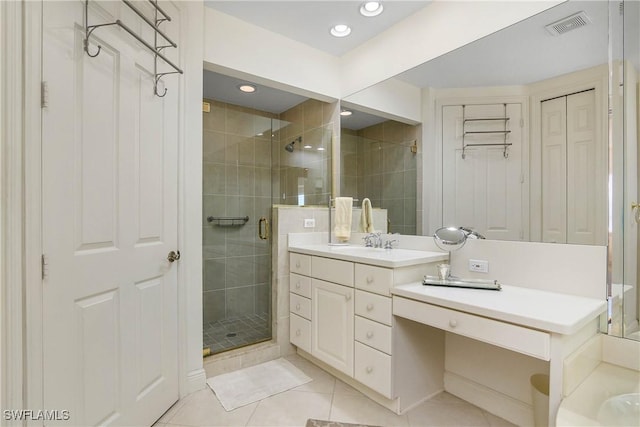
[332, 319]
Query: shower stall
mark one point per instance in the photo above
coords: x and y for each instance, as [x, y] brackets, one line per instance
[237, 199]
[253, 158]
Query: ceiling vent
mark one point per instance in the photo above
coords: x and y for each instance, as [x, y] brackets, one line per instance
[569, 23]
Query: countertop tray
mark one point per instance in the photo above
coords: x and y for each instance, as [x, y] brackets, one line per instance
[455, 282]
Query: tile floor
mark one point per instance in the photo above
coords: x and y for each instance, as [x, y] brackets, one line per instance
[233, 333]
[325, 398]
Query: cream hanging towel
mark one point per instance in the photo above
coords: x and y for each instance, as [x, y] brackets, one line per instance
[342, 228]
[366, 217]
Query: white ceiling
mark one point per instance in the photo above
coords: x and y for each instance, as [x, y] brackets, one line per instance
[309, 21]
[520, 54]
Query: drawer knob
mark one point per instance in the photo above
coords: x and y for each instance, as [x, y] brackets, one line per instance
[297, 264]
[369, 279]
[347, 297]
[298, 285]
[369, 369]
[453, 323]
[298, 332]
[298, 307]
[369, 307]
[369, 334]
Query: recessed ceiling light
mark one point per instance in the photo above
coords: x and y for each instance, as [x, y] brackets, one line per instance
[340, 30]
[371, 8]
[320, 148]
[247, 88]
[346, 113]
[308, 146]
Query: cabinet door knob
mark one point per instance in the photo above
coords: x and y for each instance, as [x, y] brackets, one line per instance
[369, 369]
[298, 307]
[453, 323]
[369, 334]
[298, 332]
[369, 279]
[369, 307]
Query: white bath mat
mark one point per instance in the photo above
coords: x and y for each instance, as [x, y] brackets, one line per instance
[248, 385]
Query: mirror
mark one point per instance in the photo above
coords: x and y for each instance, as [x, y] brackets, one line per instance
[379, 161]
[530, 70]
[487, 164]
[450, 238]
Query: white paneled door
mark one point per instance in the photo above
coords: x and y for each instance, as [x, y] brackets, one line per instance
[483, 190]
[573, 171]
[109, 219]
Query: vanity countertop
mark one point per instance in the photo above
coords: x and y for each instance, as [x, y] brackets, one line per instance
[544, 310]
[391, 258]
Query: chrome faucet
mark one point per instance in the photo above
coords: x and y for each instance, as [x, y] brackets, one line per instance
[372, 240]
[389, 243]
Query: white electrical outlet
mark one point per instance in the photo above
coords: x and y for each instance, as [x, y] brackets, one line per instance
[479, 265]
[309, 222]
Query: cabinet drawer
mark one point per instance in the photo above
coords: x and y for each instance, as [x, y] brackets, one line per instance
[300, 264]
[300, 305]
[373, 369]
[374, 307]
[300, 332]
[332, 270]
[373, 334]
[300, 285]
[512, 337]
[374, 279]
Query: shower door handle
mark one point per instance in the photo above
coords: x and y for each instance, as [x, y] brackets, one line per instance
[263, 228]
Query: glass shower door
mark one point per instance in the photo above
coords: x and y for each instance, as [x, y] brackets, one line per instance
[236, 213]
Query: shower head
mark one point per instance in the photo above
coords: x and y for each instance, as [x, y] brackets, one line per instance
[289, 146]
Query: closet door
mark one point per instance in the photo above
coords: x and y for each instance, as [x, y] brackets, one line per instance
[585, 194]
[554, 170]
[573, 171]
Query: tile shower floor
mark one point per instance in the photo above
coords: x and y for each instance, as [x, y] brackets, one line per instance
[325, 398]
[233, 333]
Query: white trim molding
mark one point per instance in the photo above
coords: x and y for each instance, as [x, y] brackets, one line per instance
[11, 206]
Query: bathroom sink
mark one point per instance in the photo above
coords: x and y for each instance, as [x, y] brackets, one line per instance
[374, 256]
[621, 410]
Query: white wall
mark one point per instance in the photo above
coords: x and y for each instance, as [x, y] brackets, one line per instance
[392, 99]
[238, 48]
[439, 28]
[192, 376]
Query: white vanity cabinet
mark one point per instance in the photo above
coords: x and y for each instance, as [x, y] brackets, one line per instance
[332, 325]
[341, 314]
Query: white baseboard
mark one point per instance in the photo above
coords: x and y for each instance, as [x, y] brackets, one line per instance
[512, 410]
[196, 380]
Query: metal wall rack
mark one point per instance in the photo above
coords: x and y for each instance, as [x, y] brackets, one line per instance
[503, 132]
[228, 220]
[156, 49]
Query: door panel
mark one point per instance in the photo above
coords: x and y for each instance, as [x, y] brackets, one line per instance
[483, 191]
[109, 220]
[554, 171]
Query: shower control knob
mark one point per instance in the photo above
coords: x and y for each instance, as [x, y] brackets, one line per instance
[173, 256]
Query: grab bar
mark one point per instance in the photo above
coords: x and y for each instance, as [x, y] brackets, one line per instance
[220, 220]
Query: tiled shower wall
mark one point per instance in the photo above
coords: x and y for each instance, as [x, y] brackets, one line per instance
[306, 171]
[377, 163]
[236, 182]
